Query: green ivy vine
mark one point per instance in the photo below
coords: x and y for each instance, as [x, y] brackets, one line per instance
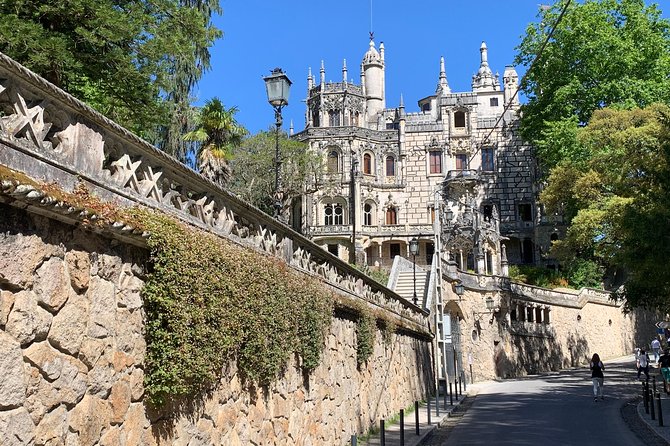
[209, 301]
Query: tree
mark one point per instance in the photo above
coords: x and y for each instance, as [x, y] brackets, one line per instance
[615, 203]
[602, 53]
[124, 58]
[254, 171]
[216, 135]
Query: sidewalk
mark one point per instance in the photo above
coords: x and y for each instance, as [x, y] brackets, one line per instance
[392, 432]
[664, 431]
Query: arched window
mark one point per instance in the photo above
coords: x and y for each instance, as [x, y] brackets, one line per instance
[354, 119]
[391, 216]
[334, 118]
[390, 166]
[333, 161]
[333, 214]
[367, 164]
[459, 119]
[367, 214]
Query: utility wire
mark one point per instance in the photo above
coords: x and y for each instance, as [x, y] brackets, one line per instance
[523, 78]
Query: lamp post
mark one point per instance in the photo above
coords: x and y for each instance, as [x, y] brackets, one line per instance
[414, 250]
[277, 86]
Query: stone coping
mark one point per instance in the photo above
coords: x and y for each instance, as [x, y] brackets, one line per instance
[50, 136]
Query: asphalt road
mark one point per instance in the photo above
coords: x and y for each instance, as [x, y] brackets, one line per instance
[548, 410]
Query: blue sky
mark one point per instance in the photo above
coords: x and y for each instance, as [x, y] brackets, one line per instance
[297, 34]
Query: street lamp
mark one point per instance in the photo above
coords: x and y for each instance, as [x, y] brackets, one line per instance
[459, 289]
[277, 86]
[414, 250]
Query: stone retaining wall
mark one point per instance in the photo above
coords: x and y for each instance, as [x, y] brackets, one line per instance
[72, 359]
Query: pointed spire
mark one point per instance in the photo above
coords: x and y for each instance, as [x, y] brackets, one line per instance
[344, 71]
[402, 103]
[381, 51]
[401, 108]
[322, 72]
[310, 79]
[290, 132]
[484, 79]
[484, 54]
[442, 85]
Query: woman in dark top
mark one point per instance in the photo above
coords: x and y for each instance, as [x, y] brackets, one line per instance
[597, 377]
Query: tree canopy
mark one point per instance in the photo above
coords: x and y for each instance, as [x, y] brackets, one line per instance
[216, 135]
[254, 171]
[616, 202]
[135, 61]
[602, 53]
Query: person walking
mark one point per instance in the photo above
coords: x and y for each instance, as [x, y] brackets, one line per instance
[597, 377]
[643, 364]
[656, 348]
[664, 364]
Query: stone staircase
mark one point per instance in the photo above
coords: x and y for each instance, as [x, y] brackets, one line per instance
[404, 285]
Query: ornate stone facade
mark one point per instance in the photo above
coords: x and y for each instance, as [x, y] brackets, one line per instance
[388, 171]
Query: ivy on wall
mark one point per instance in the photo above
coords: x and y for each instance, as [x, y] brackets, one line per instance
[209, 301]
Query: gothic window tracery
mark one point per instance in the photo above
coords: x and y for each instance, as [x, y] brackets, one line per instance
[333, 214]
[368, 214]
[334, 118]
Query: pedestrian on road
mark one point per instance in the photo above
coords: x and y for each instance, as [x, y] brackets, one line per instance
[597, 377]
[656, 348]
[643, 364]
[664, 363]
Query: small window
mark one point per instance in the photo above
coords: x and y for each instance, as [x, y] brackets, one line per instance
[367, 164]
[487, 160]
[461, 161]
[435, 157]
[339, 214]
[354, 119]
[459, 119]
[391, 216]
[333, 162]
[334, 118]
[425, 107]
[525, 212]
[432, 214]
[394, 250]
[390, 166]
[487, 210]
[367, 215]
[392, 126]
[332, 248]
[494, 102]
[512, 314]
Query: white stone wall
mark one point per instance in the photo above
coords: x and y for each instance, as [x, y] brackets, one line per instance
[72, 354]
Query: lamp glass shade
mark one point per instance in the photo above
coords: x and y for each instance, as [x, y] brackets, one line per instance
[490, 303]
[459, 289]
[277, 86]
[414, 246]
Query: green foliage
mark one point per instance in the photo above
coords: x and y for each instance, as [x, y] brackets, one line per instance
[254, 170]
[603, 53]
[365, 335]
[216, 135]
[388, 329]
[538, 276]
[209, 301]
[616, 204]
[119, 56]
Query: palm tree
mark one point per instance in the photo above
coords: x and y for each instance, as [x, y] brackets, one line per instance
[216, 135]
